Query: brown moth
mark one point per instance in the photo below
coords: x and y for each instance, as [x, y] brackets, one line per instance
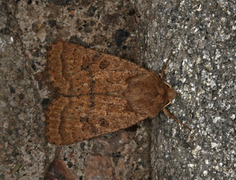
[97, 93]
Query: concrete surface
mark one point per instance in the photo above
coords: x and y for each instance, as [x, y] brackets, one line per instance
[202, 70]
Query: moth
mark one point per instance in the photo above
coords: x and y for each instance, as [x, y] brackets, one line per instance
[97, 93]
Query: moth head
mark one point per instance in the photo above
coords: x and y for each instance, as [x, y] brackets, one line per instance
[171, 94]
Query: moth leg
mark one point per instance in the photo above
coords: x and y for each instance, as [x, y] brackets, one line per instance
[168, 84]
[168, 104]
[170, 115]
[164, 67]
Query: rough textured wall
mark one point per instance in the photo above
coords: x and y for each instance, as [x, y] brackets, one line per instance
[202, 71]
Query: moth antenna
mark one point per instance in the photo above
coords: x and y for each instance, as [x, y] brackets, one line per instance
[170, 115]
[164, 67]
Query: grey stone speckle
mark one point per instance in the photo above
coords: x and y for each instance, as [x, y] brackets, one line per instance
[31, 27]
[41, 34]
[202, 70]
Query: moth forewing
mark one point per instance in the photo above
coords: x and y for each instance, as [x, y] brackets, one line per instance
[98, 93]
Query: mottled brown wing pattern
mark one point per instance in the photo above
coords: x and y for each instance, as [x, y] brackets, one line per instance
[74, 119]
[90, 89]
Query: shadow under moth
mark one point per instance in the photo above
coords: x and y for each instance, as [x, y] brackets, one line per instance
[97, 93]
